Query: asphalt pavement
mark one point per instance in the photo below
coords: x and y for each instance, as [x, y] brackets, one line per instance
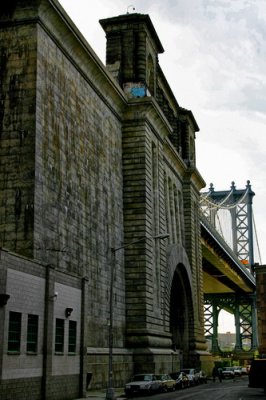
[228, 389]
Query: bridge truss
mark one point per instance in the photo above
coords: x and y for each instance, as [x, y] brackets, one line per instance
[236, 230]
[230, 213]
[244, 310]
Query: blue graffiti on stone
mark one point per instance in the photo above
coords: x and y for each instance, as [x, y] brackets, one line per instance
[138, 91]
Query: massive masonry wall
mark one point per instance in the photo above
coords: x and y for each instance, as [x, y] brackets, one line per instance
[78, 192]
[62, 177]
[79, 187]
[17, 133]
[95, 167]
[62, 161]
[143, 198]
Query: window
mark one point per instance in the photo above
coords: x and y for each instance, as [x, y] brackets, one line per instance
[14, 332]
[72, 336]
[59, 335]
[32, 333]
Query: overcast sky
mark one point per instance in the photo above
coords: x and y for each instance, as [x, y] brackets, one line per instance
[215, 62]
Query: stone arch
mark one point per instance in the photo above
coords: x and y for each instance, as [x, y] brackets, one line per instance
[181, 315]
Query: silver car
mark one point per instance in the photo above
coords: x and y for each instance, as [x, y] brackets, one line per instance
[228, 372]
[142, 384]
[193, 375]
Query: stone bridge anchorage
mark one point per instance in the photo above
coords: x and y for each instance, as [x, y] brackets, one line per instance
[97, 166]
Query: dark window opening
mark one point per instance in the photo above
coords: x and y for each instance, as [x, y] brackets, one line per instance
[59, 335]
[32, 333]
[14, 332]
[72, 336]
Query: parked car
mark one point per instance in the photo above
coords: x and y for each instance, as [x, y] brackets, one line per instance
[181, 380]
[142, 384]
[167, 383]
[238, 371]
[193, 375]
[202, 377]
[228, 372]
[245, 370]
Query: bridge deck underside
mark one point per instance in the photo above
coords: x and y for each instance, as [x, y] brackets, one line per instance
[221, 272]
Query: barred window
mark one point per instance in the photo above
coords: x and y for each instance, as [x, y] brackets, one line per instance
[32, 333]
[59, 335]
[72, 336]
[14, 332]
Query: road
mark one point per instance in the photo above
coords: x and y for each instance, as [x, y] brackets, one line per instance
[227, 390]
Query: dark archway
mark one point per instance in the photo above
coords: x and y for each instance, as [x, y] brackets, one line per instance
[181, 312]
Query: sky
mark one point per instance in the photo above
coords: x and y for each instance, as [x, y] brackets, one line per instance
[215, 63]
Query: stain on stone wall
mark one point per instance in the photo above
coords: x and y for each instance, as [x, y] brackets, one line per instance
[17, 130]
[79, 159]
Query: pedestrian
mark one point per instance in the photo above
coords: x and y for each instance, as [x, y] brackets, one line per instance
[214, 373]
[220, 374]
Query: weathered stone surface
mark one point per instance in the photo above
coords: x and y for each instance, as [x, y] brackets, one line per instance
[85, 168]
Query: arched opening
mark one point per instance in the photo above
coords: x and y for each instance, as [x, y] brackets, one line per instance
[181, 312]
[226, 331]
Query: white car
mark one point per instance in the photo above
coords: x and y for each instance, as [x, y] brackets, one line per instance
[245, 370]
[238, 371]
[142, 384]
[193, 375]
[228, 372]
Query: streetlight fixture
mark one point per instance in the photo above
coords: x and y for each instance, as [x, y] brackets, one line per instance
[110, 393]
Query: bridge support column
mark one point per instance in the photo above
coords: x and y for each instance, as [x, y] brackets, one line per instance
[237, 325]
[254, 344]
[215, 346]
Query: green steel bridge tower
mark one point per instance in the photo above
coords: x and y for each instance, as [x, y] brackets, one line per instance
[230, 214]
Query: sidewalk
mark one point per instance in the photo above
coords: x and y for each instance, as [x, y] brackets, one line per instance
[101, 394]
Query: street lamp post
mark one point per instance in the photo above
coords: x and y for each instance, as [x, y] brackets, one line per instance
[110, 393]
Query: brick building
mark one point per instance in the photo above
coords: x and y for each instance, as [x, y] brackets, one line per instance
[93, 157]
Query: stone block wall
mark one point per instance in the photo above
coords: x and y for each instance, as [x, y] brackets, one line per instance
[17, 136]
[21, 389]
[144, 216]
[78, 192]
[101, 170]
[123, 366]
[63, 175]
[78, 158]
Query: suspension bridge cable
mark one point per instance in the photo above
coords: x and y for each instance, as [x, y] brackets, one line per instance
[204, 196]
[215, 206]
[220, 226]
[218, 204]
[256, 236]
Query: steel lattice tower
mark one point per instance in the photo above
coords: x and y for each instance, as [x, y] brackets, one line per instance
[239, 204]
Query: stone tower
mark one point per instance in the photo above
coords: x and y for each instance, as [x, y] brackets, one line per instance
[156, 199]
[132, 51]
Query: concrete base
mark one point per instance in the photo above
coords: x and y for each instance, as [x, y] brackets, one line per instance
[110, 394]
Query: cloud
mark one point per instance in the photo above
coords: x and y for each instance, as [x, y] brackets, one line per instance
[218, 46]
[215, 63]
